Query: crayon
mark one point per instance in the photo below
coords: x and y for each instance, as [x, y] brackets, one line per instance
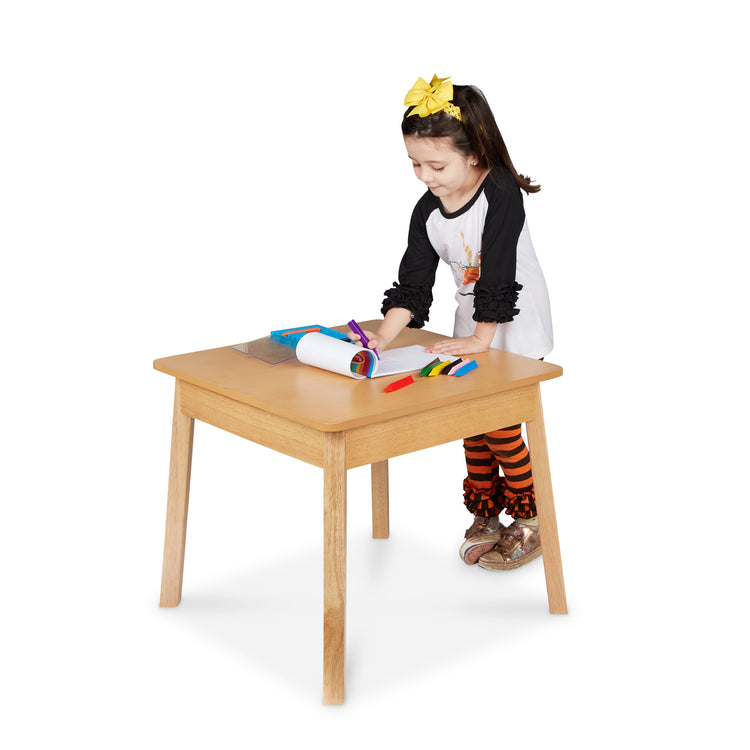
[426, 369]
[437, 369]
[398, 384]
[468, 367]
[301, 330]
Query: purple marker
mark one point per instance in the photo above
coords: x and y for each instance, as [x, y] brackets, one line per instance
[365, 341]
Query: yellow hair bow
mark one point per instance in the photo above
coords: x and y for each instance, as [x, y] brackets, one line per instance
[428, 98]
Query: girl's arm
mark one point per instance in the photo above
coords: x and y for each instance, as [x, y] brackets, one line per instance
[479, 342]
[395, 320]
[496, 291]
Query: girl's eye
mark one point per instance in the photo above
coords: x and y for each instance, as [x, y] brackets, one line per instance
[434, 169]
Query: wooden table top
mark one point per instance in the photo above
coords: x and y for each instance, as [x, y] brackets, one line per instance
[330, 402]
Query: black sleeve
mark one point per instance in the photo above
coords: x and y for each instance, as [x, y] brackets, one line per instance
[496, 291]
[416, 274]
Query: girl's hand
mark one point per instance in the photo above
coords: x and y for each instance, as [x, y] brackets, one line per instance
[457, 347]
[375, 342]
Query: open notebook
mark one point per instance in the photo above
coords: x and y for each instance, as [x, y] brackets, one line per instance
[346, 358]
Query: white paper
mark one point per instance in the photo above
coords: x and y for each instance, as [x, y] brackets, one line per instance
[405, 359]
[332, 354]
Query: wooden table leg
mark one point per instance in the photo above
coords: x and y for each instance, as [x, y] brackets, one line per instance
[177, 504]
[380, 522]
[545, 506]
[334, 567]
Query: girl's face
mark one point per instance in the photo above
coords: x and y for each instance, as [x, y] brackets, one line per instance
[448, 174]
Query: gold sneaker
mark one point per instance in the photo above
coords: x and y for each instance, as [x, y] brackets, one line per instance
[517, 545]
[481, 537]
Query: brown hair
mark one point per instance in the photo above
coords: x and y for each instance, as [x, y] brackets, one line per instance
[476, 132]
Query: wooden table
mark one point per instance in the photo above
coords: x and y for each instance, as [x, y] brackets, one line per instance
[338, 423]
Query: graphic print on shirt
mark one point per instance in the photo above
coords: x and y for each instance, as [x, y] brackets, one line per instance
[473, 263]
[491, 225]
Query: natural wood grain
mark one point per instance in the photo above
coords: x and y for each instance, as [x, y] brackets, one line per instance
[329, 402]
[545, 507]
[177, 503]
[424, 429]
[380, 512]
[334, 567]
[338, 423]
[251, 423]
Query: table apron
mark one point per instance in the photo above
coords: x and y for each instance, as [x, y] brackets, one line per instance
[256, 425]
[367, 444]
[395, 437]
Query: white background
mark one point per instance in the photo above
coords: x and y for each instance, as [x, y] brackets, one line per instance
[182, 175]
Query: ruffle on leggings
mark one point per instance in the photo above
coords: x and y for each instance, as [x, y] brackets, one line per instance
[499, 497]
[487, 502]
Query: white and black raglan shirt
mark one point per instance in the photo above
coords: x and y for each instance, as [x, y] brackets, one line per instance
[488, 247]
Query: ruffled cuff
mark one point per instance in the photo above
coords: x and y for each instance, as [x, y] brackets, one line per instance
[518, 504]
[497, 305]
[498, 498]
[485, 502]
[417, 298]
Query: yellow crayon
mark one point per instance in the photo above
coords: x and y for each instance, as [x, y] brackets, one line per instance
[426, 369]
[437, 369]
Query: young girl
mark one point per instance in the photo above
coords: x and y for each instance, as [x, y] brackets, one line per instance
[472, 217]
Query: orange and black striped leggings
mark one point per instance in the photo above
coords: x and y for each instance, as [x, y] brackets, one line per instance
[486, 493]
